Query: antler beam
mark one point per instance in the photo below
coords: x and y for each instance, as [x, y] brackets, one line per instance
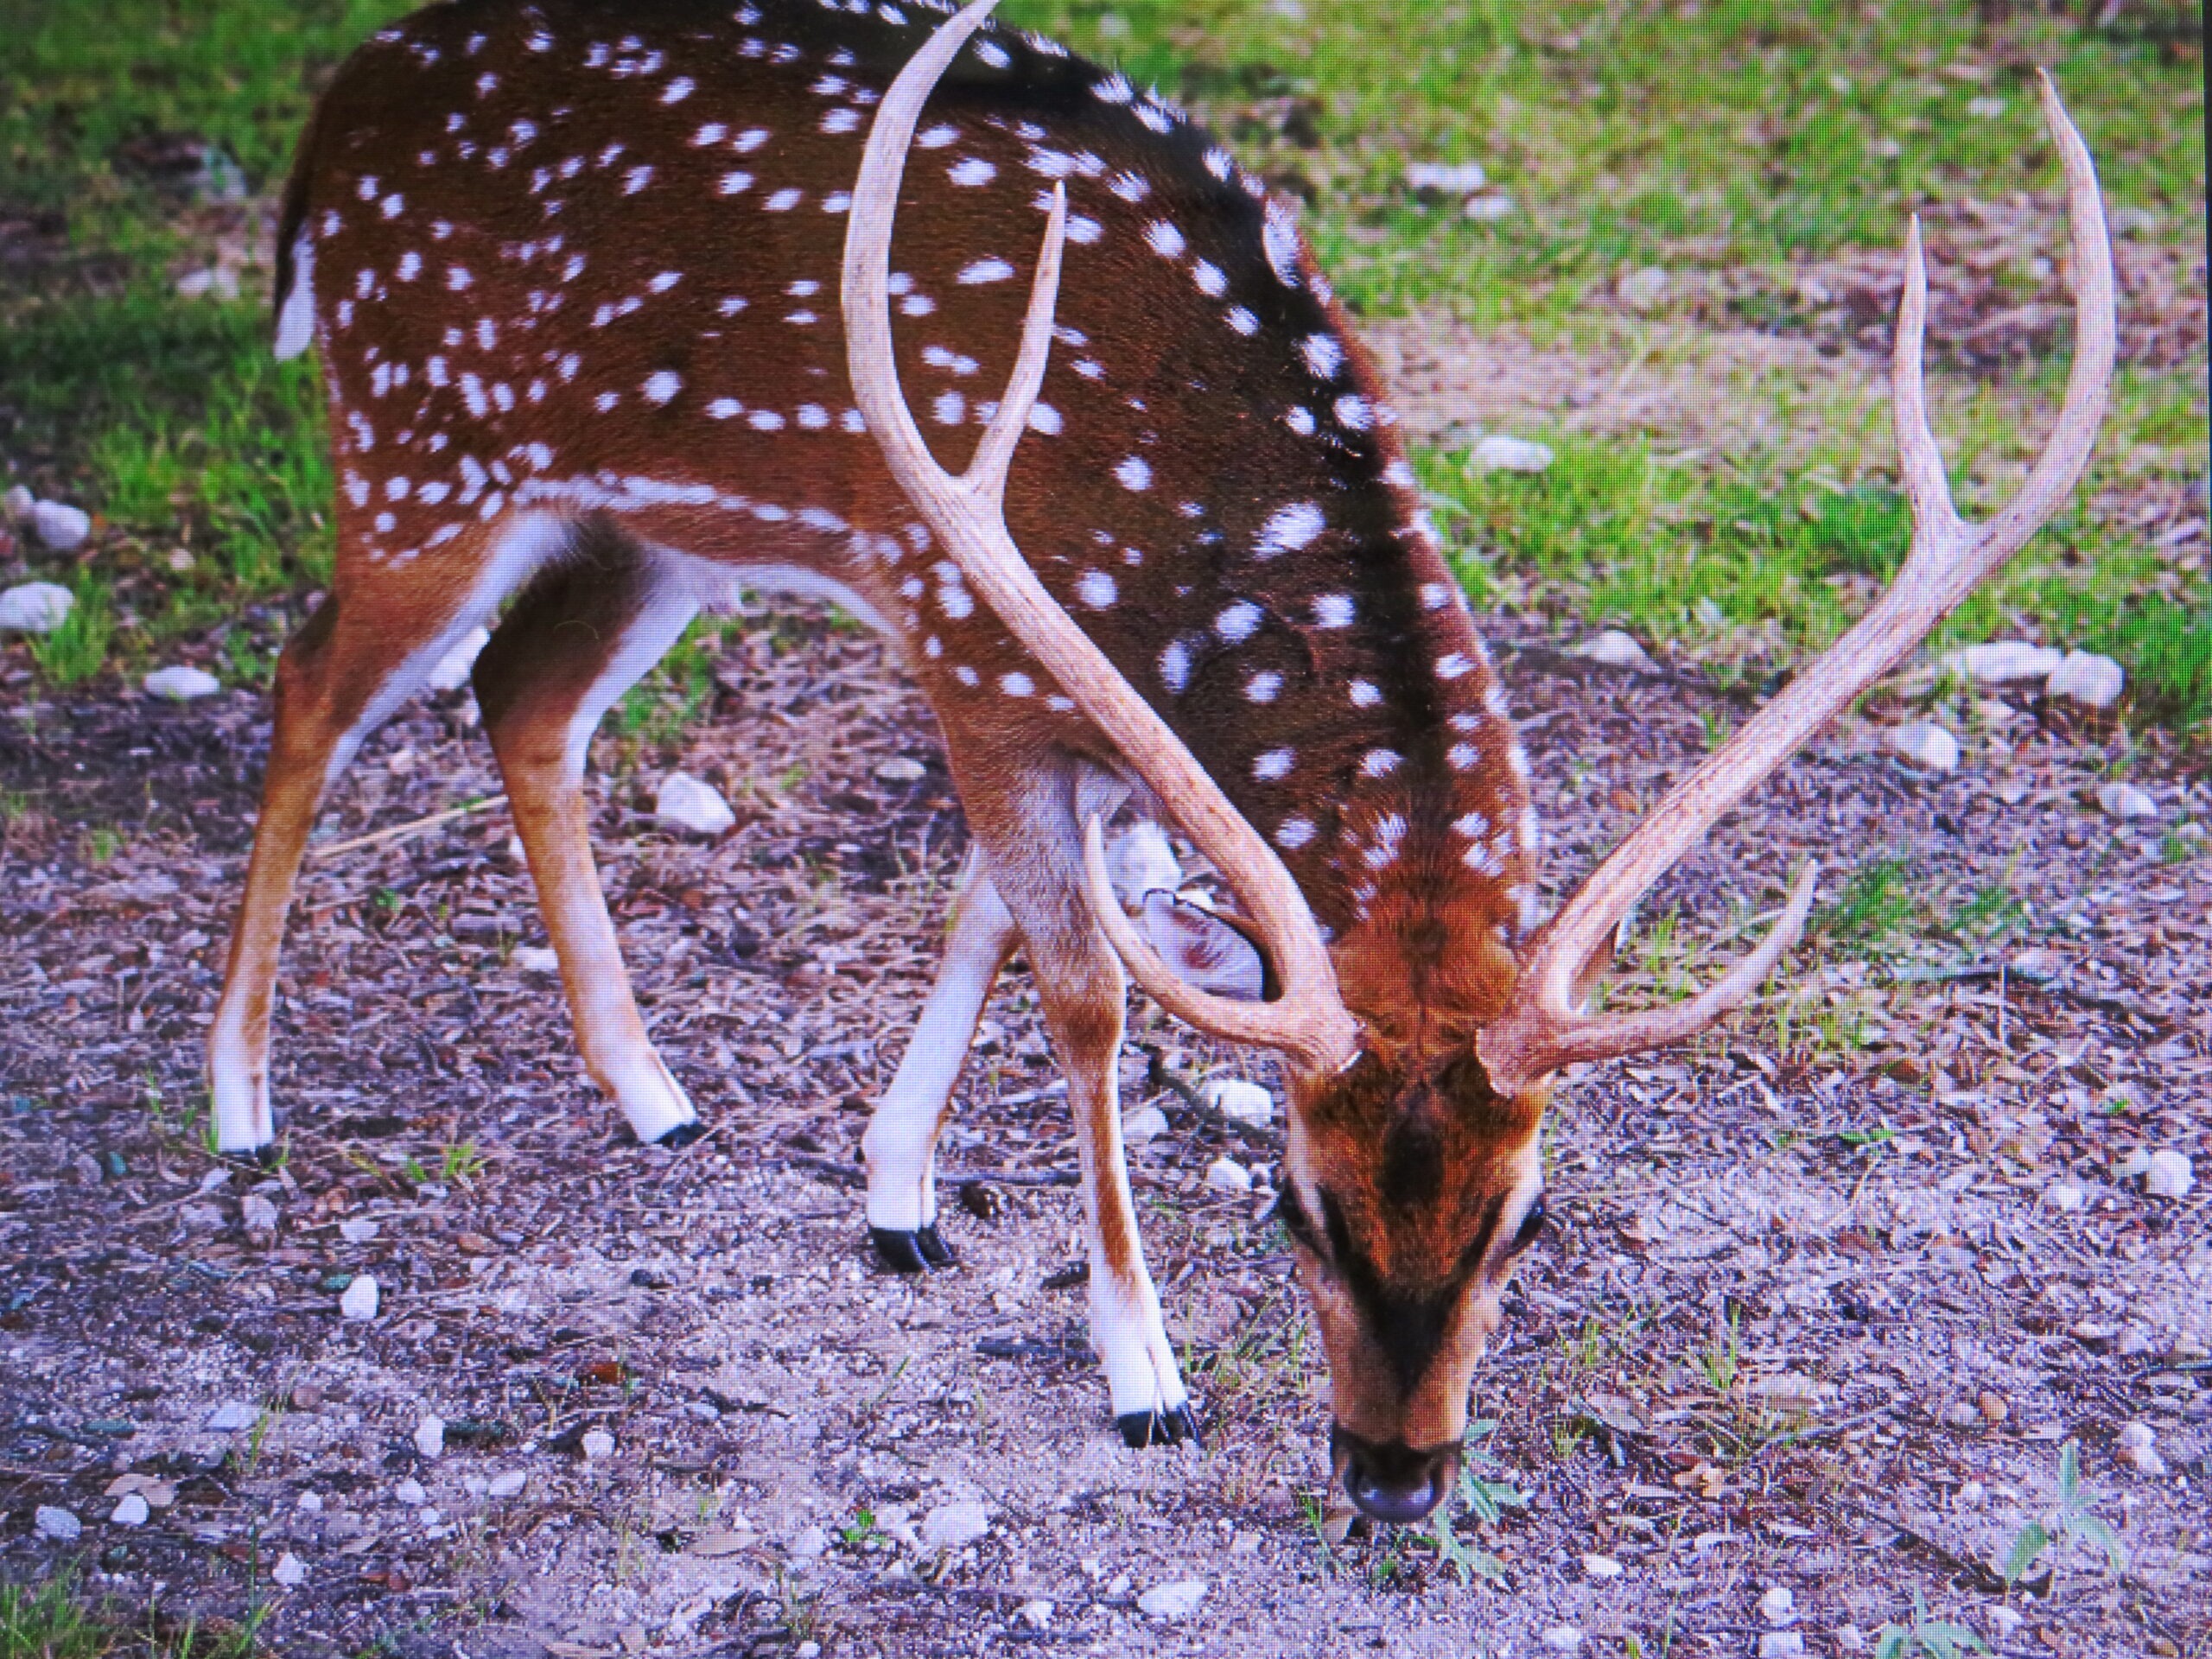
[1309, 1023]
[1542, 1030]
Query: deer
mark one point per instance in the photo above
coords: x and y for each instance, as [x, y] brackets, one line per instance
[612, 329]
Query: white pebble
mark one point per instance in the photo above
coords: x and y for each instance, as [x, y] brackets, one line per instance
[1781, 1644]
[810, 1544]
[2170, 1175]
[1500, 454]
[2065, 1196]
[35, 607]
[900, 769]
[2007, 1622]
[597, 1446]
[1037, 1615]
[17, 503]
[291, 1571]
[953, 1526]
[1144, 1124]
[1488, 210]
[258, 1213]
[510, 1484]
[2127, 801]
[360, 1229]
[1227, 1175]
[1779, 1605]
[411, 1493]
[360, 1302]
[230, 1417]
[688, 804]
[2139, 1448]
[60, 528]
[1926, 744]
[180, 684]
[311, 1503]
[1601, 1566]
[1563, 1638]
[1178, 1599]
[452, 672]
[1446, 178]
[2002, 661]
[57, 1524]
[535, 959]
[1617, 650]
[2093, 681]
[1238, 1101]
[1642, 289]
[131, 1511]
[431, 1435]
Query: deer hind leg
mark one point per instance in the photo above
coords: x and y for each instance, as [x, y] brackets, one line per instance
[900, 1144]
[1037, 861]
[581, 635]
[364, 652]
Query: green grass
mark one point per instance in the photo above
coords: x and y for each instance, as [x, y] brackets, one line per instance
[1742, 138]
[54, 1621]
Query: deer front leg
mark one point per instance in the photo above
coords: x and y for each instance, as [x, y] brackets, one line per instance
[900, 1144]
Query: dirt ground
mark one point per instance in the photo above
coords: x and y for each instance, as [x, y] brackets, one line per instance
[1824, 1298]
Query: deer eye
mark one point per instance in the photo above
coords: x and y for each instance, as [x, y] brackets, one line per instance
[1531, 1225]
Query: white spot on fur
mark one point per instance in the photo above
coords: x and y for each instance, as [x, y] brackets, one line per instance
[1365, 694]
[1380, 763]
[970, 171]
[1175, 665]
[1279, 236]
[1017, 684]
[993, 269]
[1323, 355]
[1293, 833]
[1289, 529]
[1333, 611]
[1164, 239]
[1275, 763]
[662, 385]
[1134, 473]
[1238, 621]
[1097, 589]
[1264, 687]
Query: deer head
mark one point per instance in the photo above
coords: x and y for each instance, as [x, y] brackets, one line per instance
[1419, 1040]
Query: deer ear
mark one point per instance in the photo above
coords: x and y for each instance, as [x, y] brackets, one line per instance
[1206, 951]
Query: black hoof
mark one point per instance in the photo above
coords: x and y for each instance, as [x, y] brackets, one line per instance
[1142, 1428]
[900, 1252]
[934, 1249]
[682, 1136]
[272, 1156]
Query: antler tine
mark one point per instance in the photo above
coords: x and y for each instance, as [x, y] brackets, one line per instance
[968, 513]
[1542, 1030]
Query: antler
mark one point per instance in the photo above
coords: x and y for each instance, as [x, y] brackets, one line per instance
[1309, 1023]
[1542, 1030]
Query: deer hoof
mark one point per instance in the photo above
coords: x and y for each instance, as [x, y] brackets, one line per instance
[904, 1252]
[681, 1135]
[270, 1156]
[1170, 1428]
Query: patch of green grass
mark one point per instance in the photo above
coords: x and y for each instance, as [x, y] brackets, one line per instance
[54, 1620]
[1876, 903]
[77, 649]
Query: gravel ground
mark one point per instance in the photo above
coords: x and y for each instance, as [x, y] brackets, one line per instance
[1826, 1297]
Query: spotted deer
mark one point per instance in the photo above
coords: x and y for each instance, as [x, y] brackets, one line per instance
[613, 328]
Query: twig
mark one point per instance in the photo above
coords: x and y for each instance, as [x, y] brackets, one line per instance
[394, 832]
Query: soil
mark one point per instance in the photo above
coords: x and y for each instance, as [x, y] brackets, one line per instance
[1814, 1313]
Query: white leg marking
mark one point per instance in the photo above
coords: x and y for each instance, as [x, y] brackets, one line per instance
[244, 1119]
[900, 1144]
[1131, 1340]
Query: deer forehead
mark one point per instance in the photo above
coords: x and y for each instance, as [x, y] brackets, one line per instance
[594, 265]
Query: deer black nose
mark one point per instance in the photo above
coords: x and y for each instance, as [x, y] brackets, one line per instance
[1392, 1481]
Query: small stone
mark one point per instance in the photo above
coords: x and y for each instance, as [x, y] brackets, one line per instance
[411, 1493]
[2170, 1175]
[1644, 289]
[35, 607]
[1145, 1124]
[1444, 178]
[1926, 744]
[900, 769]
[1227, 1175]
[1960, 1414]
[62, 529]
[1779, 1605]
[597, 1446]
[2093, 681]
[1849, 1638]
[695, 807]
[2003, 661]
[1986, 108]
[2007, 1622]
[258, 1213]
[2139, 1449]
[1972, 1496]
[2127, 801]
[430, 1436]
[535, 959]
[452, 671]
[132, 1510]
[16, 504]
[1499, 453]
[57, 1524]
[1179, 1599]
[1993, 1407]
[1563, 1638]
[291, 1571]
[510, 1484]
[1781, 1644]
[954, 1526]
[1037, 1615]
[811, 1543]
[1238, 1101]
[230, 1417]
[311, 1503]
[2065, 1196]
[1617, 650]
[1488, 210]
[181, 683]
[358, 1303]
[360, 1229]
[1601, 1566]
